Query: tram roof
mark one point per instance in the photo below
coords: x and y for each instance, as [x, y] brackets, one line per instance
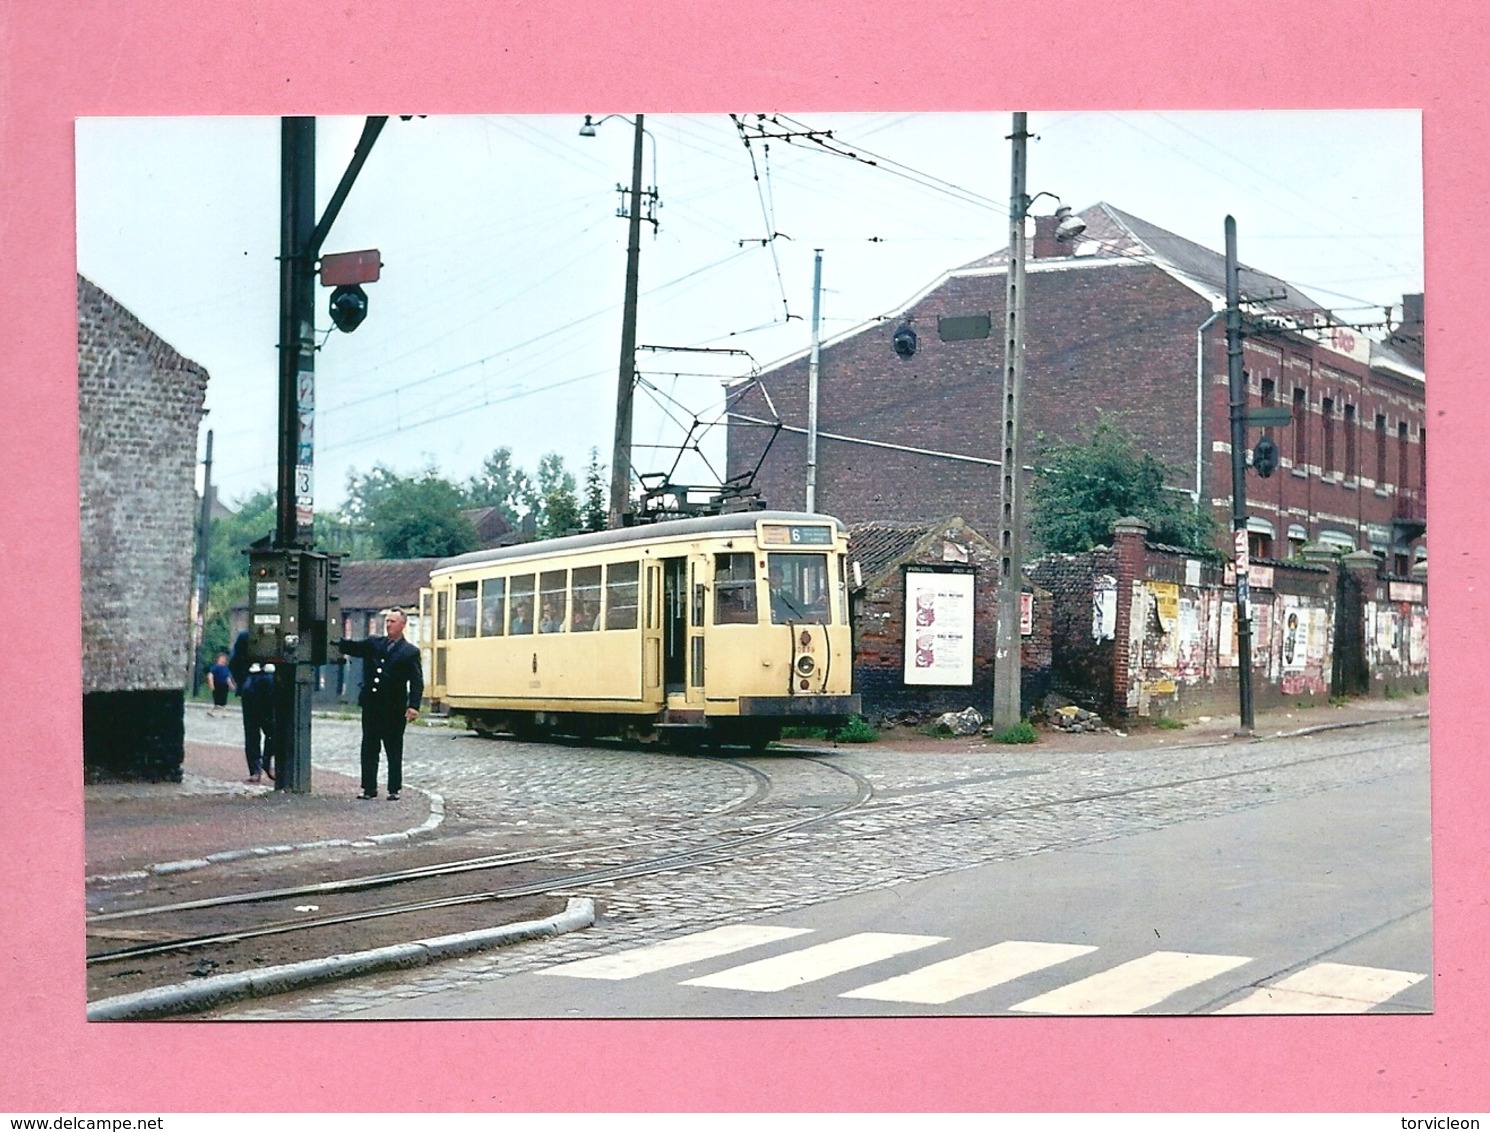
[669, 530]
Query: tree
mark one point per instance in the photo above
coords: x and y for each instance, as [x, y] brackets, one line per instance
[227, 568]
[420, 517]
[1080, 490]
[498, 484]
[558, 511]
[364, 492]
[596, 507]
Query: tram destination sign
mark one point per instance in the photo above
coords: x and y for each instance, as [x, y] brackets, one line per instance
[796, 534]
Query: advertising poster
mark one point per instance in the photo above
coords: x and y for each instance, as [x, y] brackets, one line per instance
[938, 628]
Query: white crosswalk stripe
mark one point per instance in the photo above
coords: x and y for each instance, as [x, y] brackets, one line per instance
[1125, 988]
[816, 962]
[967, 974]
[675, 952]
[1133, 986]
[1326, 988]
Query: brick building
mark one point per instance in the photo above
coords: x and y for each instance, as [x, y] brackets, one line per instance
[1124, 320]
[893, 563]
[139, 408]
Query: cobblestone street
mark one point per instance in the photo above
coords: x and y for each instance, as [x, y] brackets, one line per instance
[934, 810]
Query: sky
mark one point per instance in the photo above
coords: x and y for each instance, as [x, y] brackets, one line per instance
[497, 319]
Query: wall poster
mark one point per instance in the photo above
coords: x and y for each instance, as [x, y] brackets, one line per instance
[939, 627]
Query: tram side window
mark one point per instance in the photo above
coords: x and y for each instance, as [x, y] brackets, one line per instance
[584, 602]
[493, 606]
[552, 587]
[465, 609]
[620, 594]
[442, 614]
[521, 614]
[734, 589]
[799, 588]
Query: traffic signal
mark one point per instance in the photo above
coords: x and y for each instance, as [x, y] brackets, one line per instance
[348, 307]
[1265, 457]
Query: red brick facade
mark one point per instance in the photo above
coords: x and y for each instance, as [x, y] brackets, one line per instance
[1124, 322]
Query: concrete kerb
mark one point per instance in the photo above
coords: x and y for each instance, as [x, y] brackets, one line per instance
[164, 868]
[218, 990]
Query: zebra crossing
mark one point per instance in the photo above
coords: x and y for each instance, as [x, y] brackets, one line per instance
[1143, 983]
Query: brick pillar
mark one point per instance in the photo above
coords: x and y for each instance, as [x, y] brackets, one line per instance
[1128, 540]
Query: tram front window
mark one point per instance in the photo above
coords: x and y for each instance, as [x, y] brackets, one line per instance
[799, 588]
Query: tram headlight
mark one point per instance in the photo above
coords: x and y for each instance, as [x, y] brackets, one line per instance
[805, 665]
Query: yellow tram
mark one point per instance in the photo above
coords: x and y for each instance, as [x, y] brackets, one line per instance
[722, 628]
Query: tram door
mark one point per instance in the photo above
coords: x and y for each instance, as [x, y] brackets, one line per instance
[675, 624]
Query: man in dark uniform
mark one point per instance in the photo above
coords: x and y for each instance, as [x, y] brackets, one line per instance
[392, 688]
[255, 685]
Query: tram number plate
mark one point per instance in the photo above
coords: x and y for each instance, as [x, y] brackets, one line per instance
[784, 534]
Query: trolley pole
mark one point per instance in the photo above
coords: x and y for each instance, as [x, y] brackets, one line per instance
[1237, 385]
[1006, 657]
[812, 372]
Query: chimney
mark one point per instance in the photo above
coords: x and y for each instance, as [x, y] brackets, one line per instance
[1045, 245]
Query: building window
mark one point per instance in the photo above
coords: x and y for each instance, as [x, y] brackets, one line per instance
[1352, 468]
[1327, 462]
[1300, 427]
[1381, 449]
[1402, 464]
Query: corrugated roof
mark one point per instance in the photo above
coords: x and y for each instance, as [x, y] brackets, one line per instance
[383, 582]
[877, 546]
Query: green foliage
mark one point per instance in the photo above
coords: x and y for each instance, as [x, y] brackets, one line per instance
[498, 484]
[1080, 490]
[596, 505]
[1021, 732]
[421, 517]
[857, 730]
[1168, 723]
[558, 511]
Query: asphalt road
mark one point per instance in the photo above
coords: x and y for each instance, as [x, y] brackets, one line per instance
[1285, 875]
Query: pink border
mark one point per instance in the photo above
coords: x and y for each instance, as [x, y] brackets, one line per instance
[58, 61]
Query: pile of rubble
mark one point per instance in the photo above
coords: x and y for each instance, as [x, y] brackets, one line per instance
[1073, 718]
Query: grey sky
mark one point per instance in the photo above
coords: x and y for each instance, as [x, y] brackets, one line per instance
[497, 320]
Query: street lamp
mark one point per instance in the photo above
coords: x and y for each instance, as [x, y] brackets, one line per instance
[620, 473]
[1008, 639]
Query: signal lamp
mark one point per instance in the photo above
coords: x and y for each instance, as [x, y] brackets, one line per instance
[1265, 457]
[348, 307]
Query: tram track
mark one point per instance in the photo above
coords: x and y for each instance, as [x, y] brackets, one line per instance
[716, 851]
[712, 839]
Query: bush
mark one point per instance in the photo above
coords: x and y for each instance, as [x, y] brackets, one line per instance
[857, 730]
[1022, 732]
[1168, 723]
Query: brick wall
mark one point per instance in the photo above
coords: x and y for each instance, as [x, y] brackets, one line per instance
[1102, 337]
[879, 632]
[139, 407]
[1105, 337]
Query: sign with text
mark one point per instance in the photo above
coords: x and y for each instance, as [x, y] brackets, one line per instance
[939, 628]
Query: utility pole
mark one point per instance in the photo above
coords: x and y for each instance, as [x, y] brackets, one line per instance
[295, 512]
[199, 574]
[620, 464]
[300, 242]
[1007, 648]
[817, 292]
[1237, 386]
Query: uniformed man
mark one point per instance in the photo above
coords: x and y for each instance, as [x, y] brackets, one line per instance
[392, 688]
[255, 684]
